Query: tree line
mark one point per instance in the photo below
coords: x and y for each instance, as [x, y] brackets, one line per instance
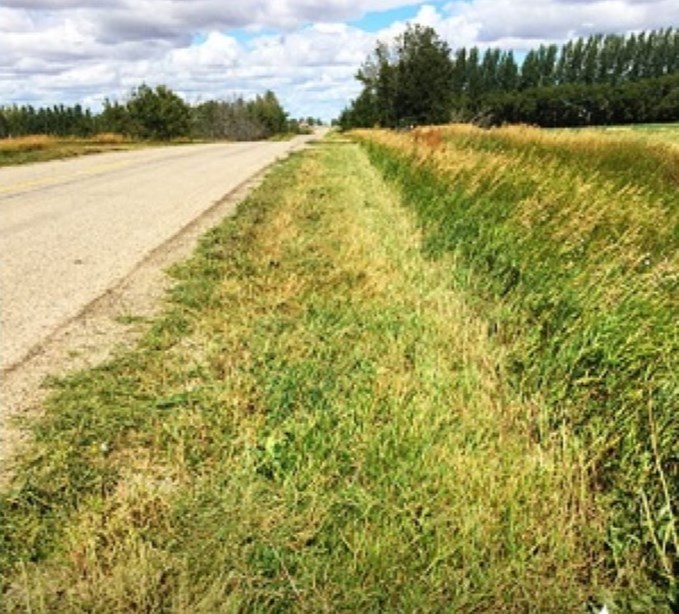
[58, 120]
[602, 79]
[155, 114]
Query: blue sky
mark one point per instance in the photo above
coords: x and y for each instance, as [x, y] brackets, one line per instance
[377, 21]
[307, 51]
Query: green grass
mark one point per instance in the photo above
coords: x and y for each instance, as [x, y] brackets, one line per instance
[320, 421]
[650, 133]
[288, 136]
[571, 243]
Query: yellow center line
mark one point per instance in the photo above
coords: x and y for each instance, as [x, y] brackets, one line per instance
[57, 179]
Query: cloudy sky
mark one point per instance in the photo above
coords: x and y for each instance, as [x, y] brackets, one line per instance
[307, 51]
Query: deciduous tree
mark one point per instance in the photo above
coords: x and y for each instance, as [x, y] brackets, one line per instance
[158, 113]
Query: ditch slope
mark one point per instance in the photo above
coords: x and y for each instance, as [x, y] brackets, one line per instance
[320, 420]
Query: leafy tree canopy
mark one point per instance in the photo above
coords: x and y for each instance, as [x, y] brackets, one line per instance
[407, 82]
[158, 113]
[602, 79]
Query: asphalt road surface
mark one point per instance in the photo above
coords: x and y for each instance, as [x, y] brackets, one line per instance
[72, 229]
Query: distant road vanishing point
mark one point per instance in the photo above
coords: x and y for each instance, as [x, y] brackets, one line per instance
[72, 229]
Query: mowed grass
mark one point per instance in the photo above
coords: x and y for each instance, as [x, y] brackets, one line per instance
[571, 242]
[319, 422]
[667, 134]
[41, 148]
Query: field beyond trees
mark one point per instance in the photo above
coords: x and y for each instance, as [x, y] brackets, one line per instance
[421, 371]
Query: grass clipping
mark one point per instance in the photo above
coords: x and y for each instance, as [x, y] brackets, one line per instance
[319, 422]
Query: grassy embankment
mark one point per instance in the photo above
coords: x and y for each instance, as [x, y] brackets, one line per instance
[573, 241]
[40, 148]
[322, 420]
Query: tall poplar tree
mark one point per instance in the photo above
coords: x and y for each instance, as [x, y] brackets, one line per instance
[408, 82]
[423, 74]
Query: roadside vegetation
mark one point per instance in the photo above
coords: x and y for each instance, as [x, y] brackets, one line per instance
[150, 116]
[40, 148]
[571, 241]
[370, 395]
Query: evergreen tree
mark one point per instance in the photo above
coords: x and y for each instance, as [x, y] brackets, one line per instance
[609, 68]
[546, 60]
[459, 72]
[114, 118]
[597, 80]
[378, 101]
[590, 64]
[574, 62]
[630, 54]
[362, 113]
[473, 75]
[4, 125]
[490, 81]
[268, 112]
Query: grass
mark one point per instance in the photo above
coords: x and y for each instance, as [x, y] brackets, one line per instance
[320, 421]
[667, 134]
[40, 148]
[287, 136]
[571, 241]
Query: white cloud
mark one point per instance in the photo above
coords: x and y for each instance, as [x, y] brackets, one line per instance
[217, 52]
[84, 50]
[557, 20]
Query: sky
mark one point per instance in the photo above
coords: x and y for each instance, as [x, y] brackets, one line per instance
[306, 51]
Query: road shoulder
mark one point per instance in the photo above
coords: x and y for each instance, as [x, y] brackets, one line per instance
[114, 320]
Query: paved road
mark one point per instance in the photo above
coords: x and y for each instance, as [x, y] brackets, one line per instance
[72, 229]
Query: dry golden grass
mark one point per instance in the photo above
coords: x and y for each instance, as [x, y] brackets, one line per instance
[110, 138]
[27, 143]
[580, 198]
[39, 148]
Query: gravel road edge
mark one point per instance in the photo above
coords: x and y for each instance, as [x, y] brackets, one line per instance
[96, 332]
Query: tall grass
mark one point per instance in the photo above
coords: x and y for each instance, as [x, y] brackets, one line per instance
[40, 147]
[319, 422]
[27, 143]
[573, 243]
